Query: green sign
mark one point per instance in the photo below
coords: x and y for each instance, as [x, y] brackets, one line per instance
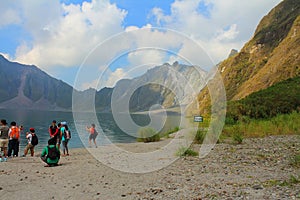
[198, 119]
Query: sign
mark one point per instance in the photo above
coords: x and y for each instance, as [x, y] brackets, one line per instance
[198, 119]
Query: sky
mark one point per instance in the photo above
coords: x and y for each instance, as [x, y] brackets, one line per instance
[95, 43]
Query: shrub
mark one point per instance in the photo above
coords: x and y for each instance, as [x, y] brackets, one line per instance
[200, 136]
[186, 151]
[295, 161]
[147, 134]
[281, 98]
[174, 130]
[237, 136]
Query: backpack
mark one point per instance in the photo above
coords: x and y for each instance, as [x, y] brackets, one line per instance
[95, 133]
[15, 132]
[34, 140]
[52, 153]
[67, 134]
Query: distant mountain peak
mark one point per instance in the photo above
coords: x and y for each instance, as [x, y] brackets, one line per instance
[233, 52]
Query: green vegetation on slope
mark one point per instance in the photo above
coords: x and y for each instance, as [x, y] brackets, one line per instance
[283, 124]
[281, 98]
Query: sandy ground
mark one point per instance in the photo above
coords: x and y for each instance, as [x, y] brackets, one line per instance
[257, 169]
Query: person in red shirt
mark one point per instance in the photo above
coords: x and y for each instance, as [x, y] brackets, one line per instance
[54, 133]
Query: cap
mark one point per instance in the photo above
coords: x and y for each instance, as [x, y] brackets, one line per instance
[32, 130]
[63, 123]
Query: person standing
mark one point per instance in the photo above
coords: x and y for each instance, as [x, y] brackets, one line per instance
[93, 134]
[54, 132]
[29, 146]
[14, 136]
[65, 133]
[4, 138]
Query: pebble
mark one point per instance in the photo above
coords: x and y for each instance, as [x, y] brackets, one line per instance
[257, 187]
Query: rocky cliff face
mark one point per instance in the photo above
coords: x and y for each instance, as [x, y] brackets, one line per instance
[271, 56]
[27, 87]
[166, 85]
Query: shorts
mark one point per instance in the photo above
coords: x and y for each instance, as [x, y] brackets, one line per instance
[3, 143]
[29, 146]
[92, 136]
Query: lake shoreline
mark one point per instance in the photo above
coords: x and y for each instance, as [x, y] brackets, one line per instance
[260, 168]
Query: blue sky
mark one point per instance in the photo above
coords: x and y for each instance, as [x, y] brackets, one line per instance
[59, 35]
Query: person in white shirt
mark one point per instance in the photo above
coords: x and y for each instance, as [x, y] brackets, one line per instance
[29, 146]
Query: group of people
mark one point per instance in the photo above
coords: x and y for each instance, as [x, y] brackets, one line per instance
[9, 139]
[59, 134]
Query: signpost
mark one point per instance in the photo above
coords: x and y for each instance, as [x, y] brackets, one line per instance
[198, 119]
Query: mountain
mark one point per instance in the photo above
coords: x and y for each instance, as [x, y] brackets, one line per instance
[166, 85]
[271, 56]
[28, 87]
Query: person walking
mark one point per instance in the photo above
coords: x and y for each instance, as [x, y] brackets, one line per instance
[4, 129]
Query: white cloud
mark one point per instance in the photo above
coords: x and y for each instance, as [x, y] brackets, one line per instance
[89, 84]
[227, 35]
[145, 56]
[115, 77]
[9, 13]
[211, 31]
[64, 37]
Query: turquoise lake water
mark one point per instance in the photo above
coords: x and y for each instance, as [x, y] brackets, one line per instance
[41, 120]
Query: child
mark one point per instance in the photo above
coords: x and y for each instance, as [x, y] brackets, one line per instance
[51, 153]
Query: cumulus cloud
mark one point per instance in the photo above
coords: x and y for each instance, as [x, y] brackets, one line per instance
[194, 31]
[220, 26]
[68, 33]
[115, 77]
[9, 13]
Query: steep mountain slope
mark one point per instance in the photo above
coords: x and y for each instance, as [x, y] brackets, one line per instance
[27, 87]
[271, 56]
[166, 85]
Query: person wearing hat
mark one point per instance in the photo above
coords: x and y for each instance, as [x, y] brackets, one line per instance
[3, 138]
[29, 146]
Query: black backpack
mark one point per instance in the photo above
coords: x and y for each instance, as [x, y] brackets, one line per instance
[67, 134]
[34, 140]
[52, 153]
